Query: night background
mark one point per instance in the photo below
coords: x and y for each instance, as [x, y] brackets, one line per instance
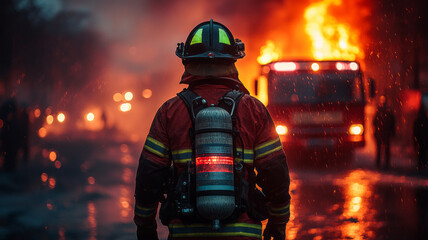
[87, 77]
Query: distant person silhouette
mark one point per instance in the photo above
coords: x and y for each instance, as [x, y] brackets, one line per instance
[384, 130]
[420, 137]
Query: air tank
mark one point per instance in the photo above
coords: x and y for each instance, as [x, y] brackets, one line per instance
[215, 189]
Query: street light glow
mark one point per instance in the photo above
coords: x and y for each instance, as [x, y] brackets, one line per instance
[61, 117]
[90, 117]
[129, 96]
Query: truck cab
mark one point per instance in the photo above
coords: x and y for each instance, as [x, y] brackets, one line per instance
[315, 104]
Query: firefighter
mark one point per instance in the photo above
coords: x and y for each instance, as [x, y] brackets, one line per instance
[384, 130]
[420, 137]
[208, 56]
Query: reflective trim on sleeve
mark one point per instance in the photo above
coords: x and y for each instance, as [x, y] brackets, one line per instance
[267, 148]
[154, 146]
[144, 212]
[248, 155]
[182, 156]
[279, 211]
[205, 230]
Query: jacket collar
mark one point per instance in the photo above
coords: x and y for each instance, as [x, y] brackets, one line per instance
[231, 81]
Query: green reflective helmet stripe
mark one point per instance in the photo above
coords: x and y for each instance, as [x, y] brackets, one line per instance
[222, 37]
[197, 38]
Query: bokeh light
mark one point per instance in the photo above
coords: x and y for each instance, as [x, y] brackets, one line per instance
[125, 107]
[128, 96]
[44, 177]
[42, 132]
[117, 97]
[37, 113]
[61, 117]
[147, 93]
[49, 119]
[52, 156]
[90, 117]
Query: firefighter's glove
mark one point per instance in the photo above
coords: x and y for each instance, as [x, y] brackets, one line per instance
[275, 231]
[146, 233]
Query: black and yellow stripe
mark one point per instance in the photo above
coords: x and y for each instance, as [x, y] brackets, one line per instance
[267, 148]
[145, 212]
[182, 156]
[205, 230]
[279, 211]
[154, 146]
[248, 155]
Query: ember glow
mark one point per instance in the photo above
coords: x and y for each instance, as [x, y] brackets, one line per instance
[331, 39]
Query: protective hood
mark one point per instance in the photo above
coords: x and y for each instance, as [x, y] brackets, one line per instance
[200, 73]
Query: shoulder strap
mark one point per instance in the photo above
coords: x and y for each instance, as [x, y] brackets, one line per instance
[193, 101]
[230, 101]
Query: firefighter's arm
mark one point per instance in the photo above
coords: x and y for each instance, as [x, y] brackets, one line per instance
[272, 176]
[152, 177]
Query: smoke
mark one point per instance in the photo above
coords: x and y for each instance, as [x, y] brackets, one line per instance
[140, 38]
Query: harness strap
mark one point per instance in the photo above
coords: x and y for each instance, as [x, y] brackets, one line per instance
[188, 96]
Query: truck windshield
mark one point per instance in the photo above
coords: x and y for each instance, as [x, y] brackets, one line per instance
[295, 88]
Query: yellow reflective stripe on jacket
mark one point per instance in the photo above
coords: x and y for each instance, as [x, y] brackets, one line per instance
[154, 146]
[144, 212]
[281, 211]
[182, 156]
[267, 148]
[248, 155]
[205, 230]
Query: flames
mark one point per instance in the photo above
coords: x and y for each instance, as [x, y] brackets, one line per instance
[269, 53]
[330, 38]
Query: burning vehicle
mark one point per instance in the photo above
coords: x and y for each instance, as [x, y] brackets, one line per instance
[316, 104]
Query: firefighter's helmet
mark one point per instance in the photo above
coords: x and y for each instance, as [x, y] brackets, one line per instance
[210, 41]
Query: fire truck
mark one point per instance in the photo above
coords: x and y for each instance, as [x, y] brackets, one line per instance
[315, 104]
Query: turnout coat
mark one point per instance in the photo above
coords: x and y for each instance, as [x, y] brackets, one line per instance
[168, 143]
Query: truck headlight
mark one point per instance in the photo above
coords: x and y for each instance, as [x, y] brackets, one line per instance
[356, 129]
[281, 129]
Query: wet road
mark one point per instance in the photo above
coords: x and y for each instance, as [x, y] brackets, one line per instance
[85, 191]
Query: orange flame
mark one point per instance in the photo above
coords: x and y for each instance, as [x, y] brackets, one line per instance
[330, 39]
[268, 53]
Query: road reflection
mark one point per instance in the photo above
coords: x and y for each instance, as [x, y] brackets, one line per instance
[125, 189]
[358, 213]
[357, 204]
[92, 221]
[294, 223]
